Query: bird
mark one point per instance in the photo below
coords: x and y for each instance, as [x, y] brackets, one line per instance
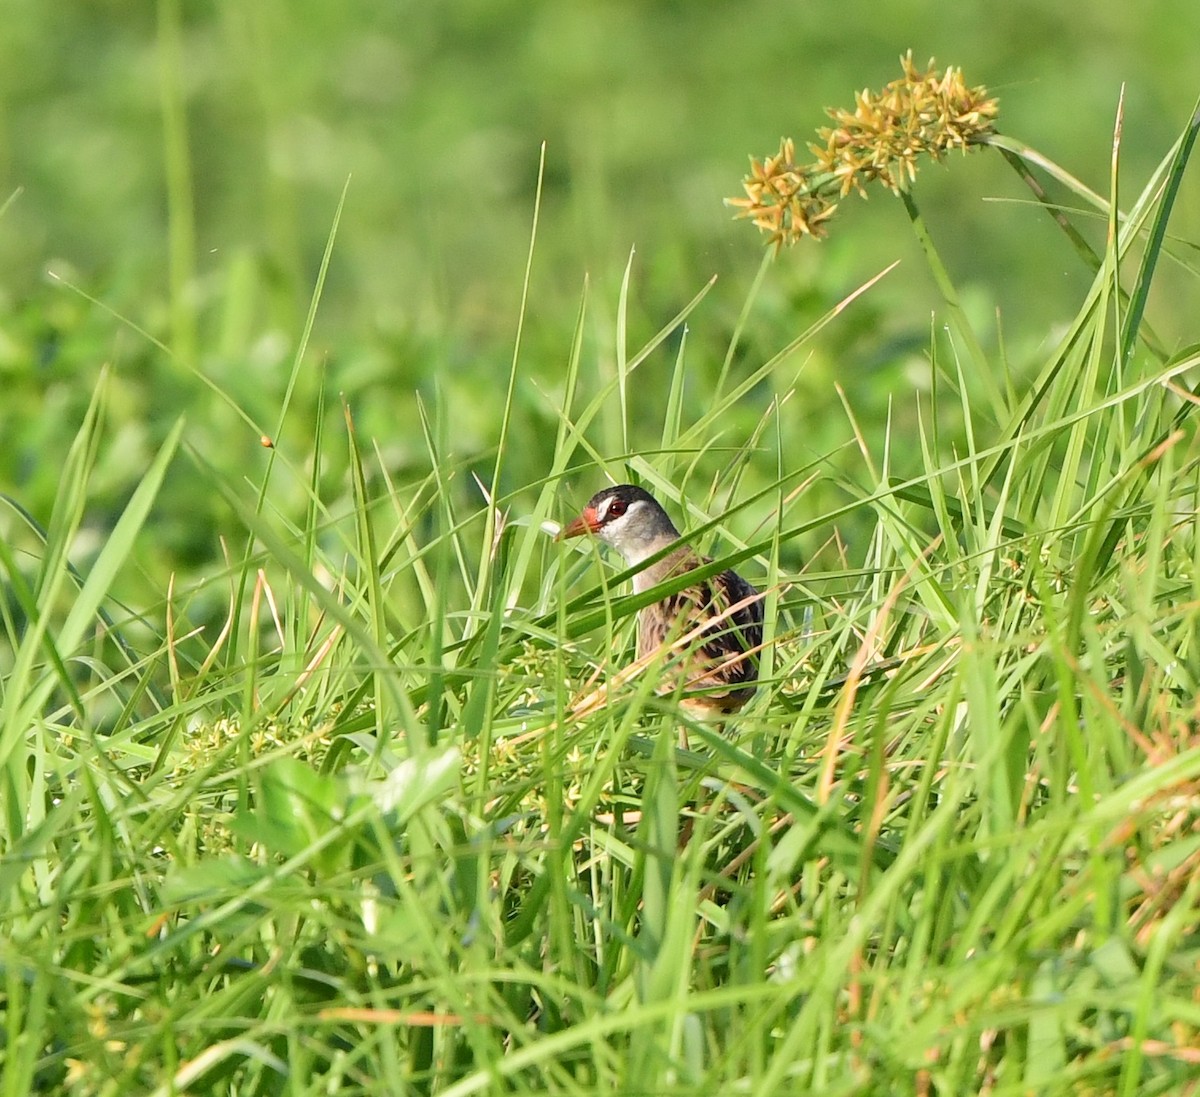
[717, 621]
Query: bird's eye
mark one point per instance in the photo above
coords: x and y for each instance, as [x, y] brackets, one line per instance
[616, 507]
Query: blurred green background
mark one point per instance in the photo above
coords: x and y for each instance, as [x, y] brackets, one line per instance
[181, 163]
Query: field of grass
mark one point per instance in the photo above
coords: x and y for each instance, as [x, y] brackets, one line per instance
[310, 784]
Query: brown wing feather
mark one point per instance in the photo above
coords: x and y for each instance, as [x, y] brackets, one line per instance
[726, 654]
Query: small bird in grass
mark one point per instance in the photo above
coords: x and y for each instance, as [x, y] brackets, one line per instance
[717, 622]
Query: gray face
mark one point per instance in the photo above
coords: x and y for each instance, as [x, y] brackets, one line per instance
[636, 527]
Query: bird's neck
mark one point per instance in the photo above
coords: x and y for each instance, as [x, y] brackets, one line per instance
[672, 564]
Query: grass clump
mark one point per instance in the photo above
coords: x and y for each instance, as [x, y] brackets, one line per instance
[355, 835]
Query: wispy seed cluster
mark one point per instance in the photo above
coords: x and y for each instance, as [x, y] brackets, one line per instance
[921, 113]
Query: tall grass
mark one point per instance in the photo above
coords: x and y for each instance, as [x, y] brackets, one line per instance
[364, 838]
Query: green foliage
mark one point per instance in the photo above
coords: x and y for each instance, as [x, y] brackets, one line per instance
[182, 164]
[355, 812]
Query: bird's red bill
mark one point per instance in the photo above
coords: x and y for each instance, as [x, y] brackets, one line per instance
[587, 522]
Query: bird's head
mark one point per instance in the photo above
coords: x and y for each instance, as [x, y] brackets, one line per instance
[627, 518]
